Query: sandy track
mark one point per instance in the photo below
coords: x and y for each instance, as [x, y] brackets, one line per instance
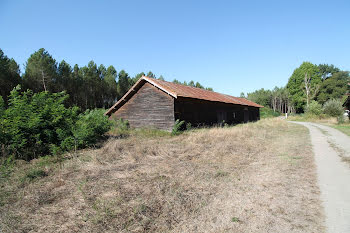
[330, 147]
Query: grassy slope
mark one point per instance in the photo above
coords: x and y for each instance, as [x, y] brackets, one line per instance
[345, 128]
[257, 177]
[332, 122]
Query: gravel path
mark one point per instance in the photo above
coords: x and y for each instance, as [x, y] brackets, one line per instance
[332, 157]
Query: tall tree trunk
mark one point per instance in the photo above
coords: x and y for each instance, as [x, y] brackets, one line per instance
[307, 89]
[280, 104]
[43, 79]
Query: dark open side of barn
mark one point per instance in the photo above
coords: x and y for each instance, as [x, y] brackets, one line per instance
[346, 104]
[158, 104]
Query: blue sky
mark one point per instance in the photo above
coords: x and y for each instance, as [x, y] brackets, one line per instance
[232, 46]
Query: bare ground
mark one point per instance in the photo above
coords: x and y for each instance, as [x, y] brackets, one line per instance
[257, 177]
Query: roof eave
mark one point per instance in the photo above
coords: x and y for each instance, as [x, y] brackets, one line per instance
[134, 88]
[115, 106]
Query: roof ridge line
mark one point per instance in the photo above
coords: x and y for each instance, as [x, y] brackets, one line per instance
[173, 94]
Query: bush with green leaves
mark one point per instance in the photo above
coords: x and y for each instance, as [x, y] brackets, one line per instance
[267, 112]
[333, 108]
[314, 109]
[34, 123]
[90, 127]
[39, 124]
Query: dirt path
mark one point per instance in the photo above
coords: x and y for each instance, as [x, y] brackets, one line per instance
[332, 156]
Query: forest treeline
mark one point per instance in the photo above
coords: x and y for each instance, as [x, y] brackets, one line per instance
[98, 86]
[88, 87]
[309, 82]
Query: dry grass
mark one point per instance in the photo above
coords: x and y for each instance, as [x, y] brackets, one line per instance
[257, 177]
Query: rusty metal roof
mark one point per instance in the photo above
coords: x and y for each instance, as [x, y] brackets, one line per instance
[179, 90]
[198, 93]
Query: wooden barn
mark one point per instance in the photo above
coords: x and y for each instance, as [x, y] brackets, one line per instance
[346, 104]
[158, 104]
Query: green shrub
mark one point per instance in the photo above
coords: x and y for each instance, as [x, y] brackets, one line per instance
[90, 127]
[177, 127]
[39, 124]
[333, 108]
[34, 123]
[314, 108]
[267, 112]
[341, 119]
[121, 127]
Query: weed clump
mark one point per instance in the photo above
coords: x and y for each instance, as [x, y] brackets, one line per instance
[35, 173]
[177, 127]
[235, 219]
[121, 127]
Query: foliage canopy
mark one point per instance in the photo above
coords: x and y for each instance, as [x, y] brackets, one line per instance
[296, 84]
[36, 124]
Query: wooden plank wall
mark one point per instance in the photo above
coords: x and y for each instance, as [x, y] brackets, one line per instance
[148, 107]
